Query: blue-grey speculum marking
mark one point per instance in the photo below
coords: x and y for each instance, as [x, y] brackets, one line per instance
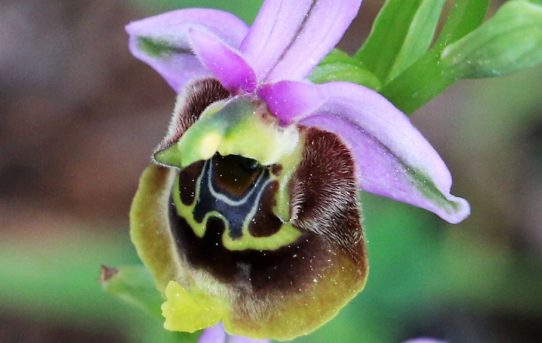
[235, 208]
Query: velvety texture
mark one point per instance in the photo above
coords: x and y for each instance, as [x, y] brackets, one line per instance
[276, 293]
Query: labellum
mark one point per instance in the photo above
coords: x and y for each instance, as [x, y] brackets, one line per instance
[250, 214]
[253, 226]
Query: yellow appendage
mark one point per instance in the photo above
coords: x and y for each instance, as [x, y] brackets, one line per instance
[190, 311]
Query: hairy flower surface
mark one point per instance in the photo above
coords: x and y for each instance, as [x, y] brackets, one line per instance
[250, 215]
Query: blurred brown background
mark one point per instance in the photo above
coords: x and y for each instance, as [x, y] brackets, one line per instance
[79, 117]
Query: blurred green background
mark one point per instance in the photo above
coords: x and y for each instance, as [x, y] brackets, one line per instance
[78, 120]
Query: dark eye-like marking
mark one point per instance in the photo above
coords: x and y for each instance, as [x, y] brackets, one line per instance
[238, 191]
[232, 192]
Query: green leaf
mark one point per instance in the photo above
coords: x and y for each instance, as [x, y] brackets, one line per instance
[425, 78]
[510, 41]
[402, 33]
[339, 66]
[466, 16]
[134, 285]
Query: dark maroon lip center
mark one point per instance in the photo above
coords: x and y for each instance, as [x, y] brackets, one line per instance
[235, 175]
[263, 270]
[235, 207]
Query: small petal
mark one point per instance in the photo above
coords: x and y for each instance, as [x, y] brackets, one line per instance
[216, 334]
[190, 310]
[288, 38]
[393, 159]
[162, 41]
[239, 339]
[424, 340]
[227, 66]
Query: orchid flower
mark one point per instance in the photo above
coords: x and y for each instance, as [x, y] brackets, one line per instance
[250, 214]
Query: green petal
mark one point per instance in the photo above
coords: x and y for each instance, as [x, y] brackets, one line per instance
[236, 127]
[190, 311]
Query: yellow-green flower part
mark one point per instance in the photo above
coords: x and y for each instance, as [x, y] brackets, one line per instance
[247, 222]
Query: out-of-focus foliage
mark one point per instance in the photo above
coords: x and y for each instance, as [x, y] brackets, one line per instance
[56, 281]
[134, 285]
[476, 282]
